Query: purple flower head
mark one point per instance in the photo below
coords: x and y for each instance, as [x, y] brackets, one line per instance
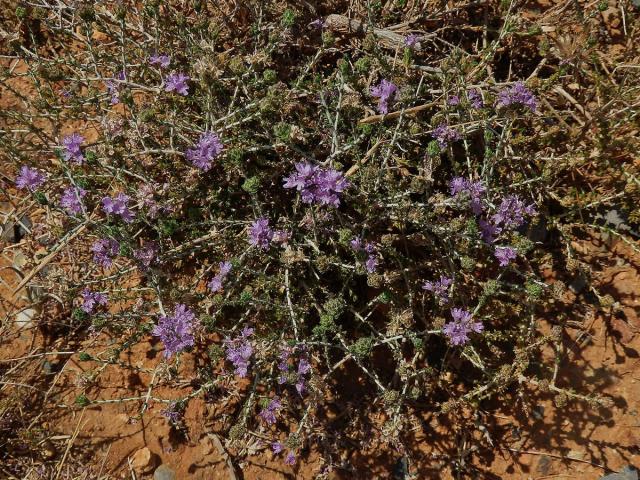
[319, 23]
[371, 264]
[277, 447]
[30, 178]
[162, 61]
[239, 351]
[72, 152]
[474, 190]
[317, 185]
[173, 413]
[440, 288]
[260, 233]
[356, 244]
[91, 299]
[205, 151]
[104, 250]
[71, 200]
[268, 414]
[475, 98]
[489, 231]
[517, 94]
[177, 82]
[113, 87]
[281, 236]
[453, 100]
[462, 325]
[445, 135]
[118, 206]
[412, 40]
[147, 254]
[511, 212]
[505, 255]
[290, 459]
[385, 92]
[215, 284]
[176, 331]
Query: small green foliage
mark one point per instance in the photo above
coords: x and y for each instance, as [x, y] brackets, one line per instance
[433, 149]
[270, 76]
[362, 348]
[79, 315]
[282, 131]
[82, 400]
[288, 18]
[84, 357]
[251, 185]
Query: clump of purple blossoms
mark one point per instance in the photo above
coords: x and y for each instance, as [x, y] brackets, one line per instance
[439, 288]
[260, 233]
[462, 325]
[277, 447]
[104, 250]
[475, 98]
[30, 178]
[489, 231]
[215, 284]
[298, 375]
[316, 184]
[239, 351]
[505, 255]
[92, 299]
[147, 254]
[71, 200]
[475, 190]
[173, 413]
[205, 151]
[371, 263]
[113, 87]
[118, 206]
[268, 414]
[385, 91]
[445, 135]
[511, 212]
[177, 82]
[453, 100]
[72, 152]
[412, 40]
[162, 61]
[176, 331]
[517, 94]
[319, 23]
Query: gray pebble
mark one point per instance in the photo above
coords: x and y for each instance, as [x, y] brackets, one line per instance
[163, 472]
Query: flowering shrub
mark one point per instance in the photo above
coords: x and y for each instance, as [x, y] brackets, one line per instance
[374, 252]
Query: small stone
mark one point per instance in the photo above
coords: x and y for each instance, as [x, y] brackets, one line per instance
[24, 319]
[143, 460]
[48, 450]
[163, 472]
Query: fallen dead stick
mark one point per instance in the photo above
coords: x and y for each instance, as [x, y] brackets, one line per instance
[554, 455]
[407, 111]
[50, 257]
[389, 39]
[221, 450]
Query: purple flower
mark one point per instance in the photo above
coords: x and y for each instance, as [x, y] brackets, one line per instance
[511, 212]
[356, 244]
[319, 23]
[172, 412]
[489, 231]
[458, 331]
[147, 254]
[453, 100]
[104, 250]
[475, 97]
[412, 40]
[72, 152]
[177, 82]
[162, 61]
[444, 135]
[505, 255]
[205, 151]
[517, 94]
[268, 414]
[30, 178]
[215, 284]
[91, 299]
[260, 233]
[71, 200]
[290, 459]
[113, 87]
[317, 185]
[277, 447]
[118, 206]
[385, 91]
[440, 288]
[239, 351]
[176, 331]
[474, 190]
[371, 263]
